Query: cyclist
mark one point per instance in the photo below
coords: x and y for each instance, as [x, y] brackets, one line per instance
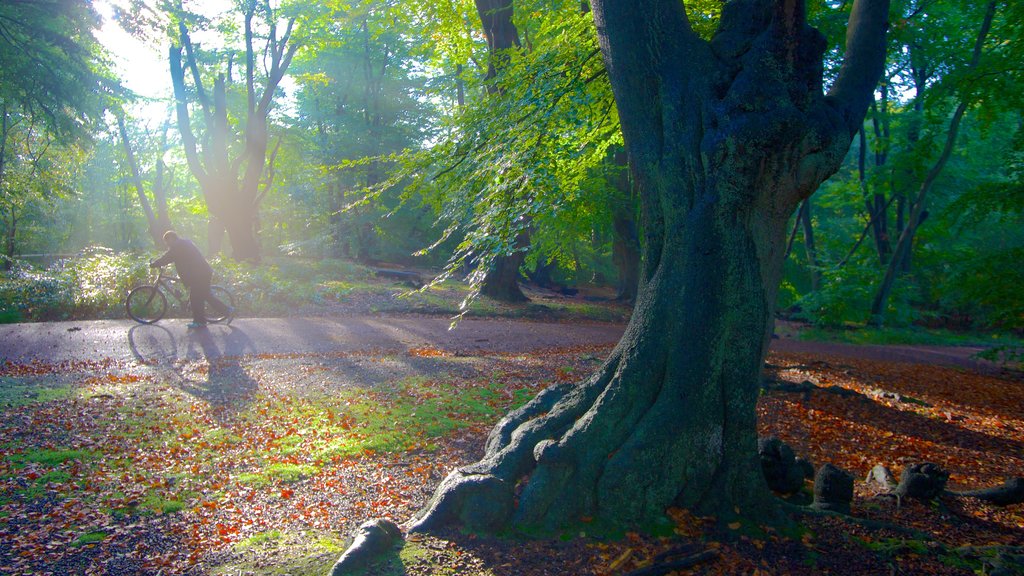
[195, 273]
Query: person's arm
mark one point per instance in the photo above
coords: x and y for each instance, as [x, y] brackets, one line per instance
[167, 258]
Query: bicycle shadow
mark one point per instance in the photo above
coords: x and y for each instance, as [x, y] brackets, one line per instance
[224, 384]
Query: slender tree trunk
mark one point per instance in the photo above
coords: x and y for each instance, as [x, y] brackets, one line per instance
[162, 183]
[904, 246]
[155, 231]
[812, 253]
[875, 203]
[335, 221]
[726, 139]
[12, 230]
[5, 128]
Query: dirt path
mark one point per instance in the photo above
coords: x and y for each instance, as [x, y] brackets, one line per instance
[55, 342]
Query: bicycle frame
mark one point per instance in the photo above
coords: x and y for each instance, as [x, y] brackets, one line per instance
[171, 285]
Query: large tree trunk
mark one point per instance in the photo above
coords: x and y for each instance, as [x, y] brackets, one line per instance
[502, 279]
[725, 139]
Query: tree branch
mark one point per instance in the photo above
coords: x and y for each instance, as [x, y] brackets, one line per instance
[863, 62]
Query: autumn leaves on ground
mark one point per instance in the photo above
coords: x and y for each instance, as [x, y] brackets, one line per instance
[265, 465]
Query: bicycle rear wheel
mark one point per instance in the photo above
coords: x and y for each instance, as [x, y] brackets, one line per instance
[146, 304]
[222, 294]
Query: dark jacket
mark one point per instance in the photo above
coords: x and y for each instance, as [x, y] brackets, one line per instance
[188, 261]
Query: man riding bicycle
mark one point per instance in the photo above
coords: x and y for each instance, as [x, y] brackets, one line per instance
[195, 273]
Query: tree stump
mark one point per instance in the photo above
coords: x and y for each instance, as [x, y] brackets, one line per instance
[833, 490]
[779, 464]
[922, 481]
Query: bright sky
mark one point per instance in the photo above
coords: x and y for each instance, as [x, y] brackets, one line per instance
[143, 68]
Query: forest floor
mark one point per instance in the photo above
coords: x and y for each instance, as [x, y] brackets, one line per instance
[175, 460]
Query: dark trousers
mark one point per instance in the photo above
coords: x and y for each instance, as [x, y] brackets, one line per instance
[198, 295]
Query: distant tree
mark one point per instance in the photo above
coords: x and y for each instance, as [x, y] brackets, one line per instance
[157, 217]
[361, 101]
[965, 97]
[231, 177]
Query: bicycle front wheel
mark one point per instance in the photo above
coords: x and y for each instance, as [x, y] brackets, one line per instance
[146, 304]
[222, 294]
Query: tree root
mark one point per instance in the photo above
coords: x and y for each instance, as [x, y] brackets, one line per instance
[372, 540]
[865, 522]
[1011, 492]
[665, 567]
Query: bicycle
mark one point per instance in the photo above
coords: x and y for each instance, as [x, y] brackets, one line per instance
[147, 303]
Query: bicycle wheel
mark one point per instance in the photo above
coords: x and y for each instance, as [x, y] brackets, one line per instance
[221, 293]
[146, 304]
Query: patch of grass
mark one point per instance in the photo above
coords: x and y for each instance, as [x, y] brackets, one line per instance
[157, 503]
[253, 479]
[293, 553]
[52, 457]
[261, 539]
[413, 413]
[221, 436]
[291, 472]
[280, 472]
[893, 546]
[16, 392]
[89, 538]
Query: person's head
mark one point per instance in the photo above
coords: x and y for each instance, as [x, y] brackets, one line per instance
[170, 236]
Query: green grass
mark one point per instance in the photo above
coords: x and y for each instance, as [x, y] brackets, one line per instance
[52, 457]
[156, 503]
[16, 392]
[89, 538]
[295, 553]
[261, 539]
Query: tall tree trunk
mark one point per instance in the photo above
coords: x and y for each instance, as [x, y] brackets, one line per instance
[904, 246]
[875, 202]
[163, 181]
[336, 221]
[726, 139]
[10, 223]
[501, 280]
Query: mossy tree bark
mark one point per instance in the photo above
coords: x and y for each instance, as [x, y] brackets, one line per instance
[725, 139]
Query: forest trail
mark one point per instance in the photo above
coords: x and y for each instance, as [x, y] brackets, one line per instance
[55, 342]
